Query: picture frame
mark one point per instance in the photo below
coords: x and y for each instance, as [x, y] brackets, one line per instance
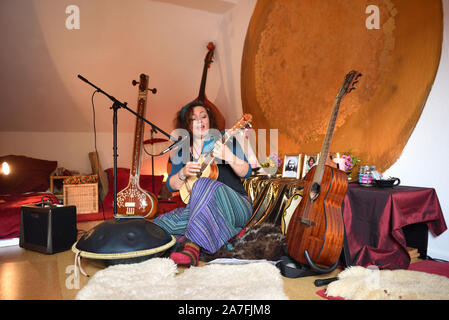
[307, 164]
[292, 165]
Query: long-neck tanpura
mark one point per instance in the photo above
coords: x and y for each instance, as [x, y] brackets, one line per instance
[133, 200]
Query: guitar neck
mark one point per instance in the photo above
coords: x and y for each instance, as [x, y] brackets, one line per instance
[208, 158]
[348, 85]
[326, 143]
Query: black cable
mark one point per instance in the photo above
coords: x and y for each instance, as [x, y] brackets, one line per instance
[93, 114]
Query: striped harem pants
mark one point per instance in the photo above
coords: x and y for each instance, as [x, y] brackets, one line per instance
[214, 214]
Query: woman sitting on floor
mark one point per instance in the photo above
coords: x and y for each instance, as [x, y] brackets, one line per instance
[217, 209]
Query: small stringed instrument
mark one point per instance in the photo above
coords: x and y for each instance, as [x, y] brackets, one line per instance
[209, 168]
[315, 232]
[133, 200]
[202, 100]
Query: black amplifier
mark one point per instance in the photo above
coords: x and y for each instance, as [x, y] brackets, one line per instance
[47, 228]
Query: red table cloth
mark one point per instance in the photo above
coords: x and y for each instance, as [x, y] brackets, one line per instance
[374, 218]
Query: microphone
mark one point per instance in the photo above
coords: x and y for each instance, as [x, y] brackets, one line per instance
[174, 145]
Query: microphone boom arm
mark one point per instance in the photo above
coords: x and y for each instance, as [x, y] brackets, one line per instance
[117, 104]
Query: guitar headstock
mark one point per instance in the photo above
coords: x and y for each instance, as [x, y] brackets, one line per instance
[210, 54]
[351, 79]
[243, 123]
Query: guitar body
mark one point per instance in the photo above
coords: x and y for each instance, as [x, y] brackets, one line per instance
[316, 227]
[133, 200]
[210, 171]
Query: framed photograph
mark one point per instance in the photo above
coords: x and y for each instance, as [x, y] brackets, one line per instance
[292, 166]
[310, 161]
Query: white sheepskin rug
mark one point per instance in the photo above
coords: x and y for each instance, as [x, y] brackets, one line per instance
[358, 283]
[157, 279]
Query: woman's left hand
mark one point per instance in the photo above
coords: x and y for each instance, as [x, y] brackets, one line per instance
[221, 151]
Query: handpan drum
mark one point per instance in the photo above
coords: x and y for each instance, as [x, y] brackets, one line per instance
[297, 53]
[125, 240]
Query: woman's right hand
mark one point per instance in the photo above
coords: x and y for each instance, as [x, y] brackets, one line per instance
[191, 169]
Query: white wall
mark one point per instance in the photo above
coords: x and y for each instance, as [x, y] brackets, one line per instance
[115, 43]
[424, 159]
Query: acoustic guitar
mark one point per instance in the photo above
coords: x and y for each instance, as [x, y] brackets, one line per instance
[133, 200]
[315, 232]
[209, 168]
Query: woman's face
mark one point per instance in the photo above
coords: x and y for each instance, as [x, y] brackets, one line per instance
[199, 121]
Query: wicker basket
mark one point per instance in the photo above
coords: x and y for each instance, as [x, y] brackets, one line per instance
[83, 196]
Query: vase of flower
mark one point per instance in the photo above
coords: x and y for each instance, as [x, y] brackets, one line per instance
[270, 171]
[271, 164]
[350, 163]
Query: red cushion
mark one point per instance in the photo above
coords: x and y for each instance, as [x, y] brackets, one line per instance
[145, 182]
[27, 174]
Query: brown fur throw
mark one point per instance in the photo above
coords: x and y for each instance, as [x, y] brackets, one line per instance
[263, 241]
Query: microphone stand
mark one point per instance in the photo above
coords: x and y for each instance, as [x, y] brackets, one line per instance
[115, 106]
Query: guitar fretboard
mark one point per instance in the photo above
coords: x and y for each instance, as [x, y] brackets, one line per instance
[208, 158]
[326, 143]
[348, 86]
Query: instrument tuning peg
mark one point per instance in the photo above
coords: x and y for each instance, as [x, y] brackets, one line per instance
[154, 90]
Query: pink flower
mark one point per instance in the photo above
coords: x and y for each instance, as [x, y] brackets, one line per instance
[348, 161]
